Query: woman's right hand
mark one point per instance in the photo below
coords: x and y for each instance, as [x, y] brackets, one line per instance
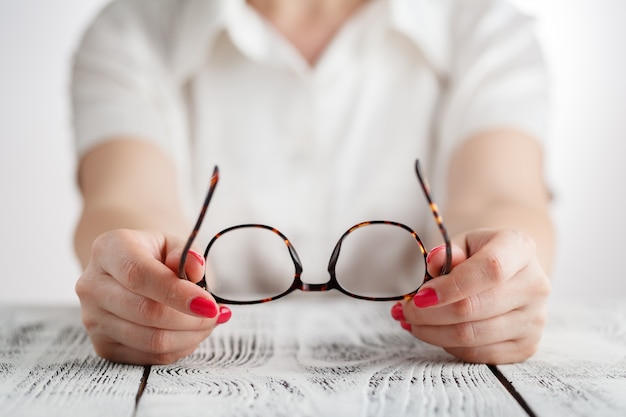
[135, 308]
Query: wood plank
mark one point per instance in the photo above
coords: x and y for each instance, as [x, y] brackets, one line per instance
[317, 355]
[580, 369]
[48, 368]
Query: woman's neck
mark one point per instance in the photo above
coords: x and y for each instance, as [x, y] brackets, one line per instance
[309, 25]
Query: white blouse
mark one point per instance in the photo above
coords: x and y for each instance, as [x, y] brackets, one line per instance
[308, 150]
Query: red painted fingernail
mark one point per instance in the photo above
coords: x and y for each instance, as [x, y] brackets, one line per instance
[425, 298]
[225, 315]
[433, 251]
[196, 255]
[405, 325]
[203, 307]
[397, 313]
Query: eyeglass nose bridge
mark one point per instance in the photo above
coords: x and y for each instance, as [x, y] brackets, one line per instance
[331, 284]
[306, 287]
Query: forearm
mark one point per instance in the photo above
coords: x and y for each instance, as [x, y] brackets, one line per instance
[496, 181]
[127, 184]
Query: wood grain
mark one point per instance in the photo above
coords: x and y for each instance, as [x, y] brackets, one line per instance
[313, 355]
[580, 369]
[48, 368]
[321, 357]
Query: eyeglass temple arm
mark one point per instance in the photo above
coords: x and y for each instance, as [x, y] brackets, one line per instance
[214, 179]
[438, 219]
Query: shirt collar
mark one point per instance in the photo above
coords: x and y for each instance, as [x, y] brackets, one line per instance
[247, 29]
[426, 24]
[423, 22]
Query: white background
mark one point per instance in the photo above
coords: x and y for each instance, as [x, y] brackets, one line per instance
[585, 44]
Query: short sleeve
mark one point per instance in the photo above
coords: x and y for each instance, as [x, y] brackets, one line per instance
[497, 76]
[121, 84]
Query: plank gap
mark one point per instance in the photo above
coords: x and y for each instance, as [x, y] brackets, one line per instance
[142, 386]
[511, 389]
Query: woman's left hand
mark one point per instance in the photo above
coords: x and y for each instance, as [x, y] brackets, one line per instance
[491, 308]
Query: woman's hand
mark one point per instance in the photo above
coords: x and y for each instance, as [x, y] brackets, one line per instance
[491, 308]
[135, 308]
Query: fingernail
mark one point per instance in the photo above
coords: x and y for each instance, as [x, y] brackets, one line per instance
[196, 255]
[203, 307]
[405, 325]
[225, 315]
[397, 313]
[433, 251]
[425, 298]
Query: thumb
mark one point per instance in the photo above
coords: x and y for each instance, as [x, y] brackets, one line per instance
[437, 258]
[194, 262]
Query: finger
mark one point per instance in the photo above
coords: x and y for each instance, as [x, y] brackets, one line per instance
[141, 273]
[518, 292]
[509, 351]
[508, 326]
[143, 311]
[495, 257]
[119, 353]
[150, 340]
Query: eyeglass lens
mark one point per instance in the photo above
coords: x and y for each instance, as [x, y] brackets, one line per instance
[377, 261]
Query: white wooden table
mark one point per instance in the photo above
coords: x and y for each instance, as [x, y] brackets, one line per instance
[313, 355]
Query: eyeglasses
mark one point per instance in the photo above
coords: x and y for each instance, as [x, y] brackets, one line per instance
[349, 280]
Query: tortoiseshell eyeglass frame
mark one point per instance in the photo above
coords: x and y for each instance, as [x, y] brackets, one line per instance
[333, 283]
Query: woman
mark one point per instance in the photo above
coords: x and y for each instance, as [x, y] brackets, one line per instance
[315, 111]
